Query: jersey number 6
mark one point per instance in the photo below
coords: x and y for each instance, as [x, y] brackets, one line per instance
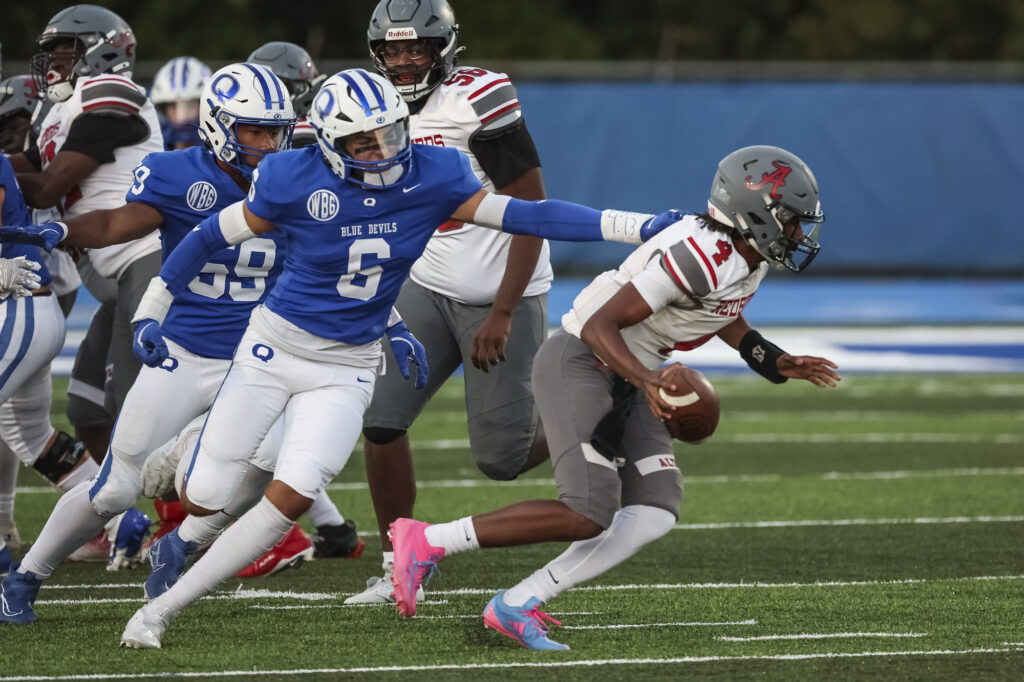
[370, 277]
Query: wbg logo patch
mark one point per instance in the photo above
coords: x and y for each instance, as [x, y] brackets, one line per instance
[323, 205]
[201, 196]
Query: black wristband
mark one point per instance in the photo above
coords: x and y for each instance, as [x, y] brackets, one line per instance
[762, 356]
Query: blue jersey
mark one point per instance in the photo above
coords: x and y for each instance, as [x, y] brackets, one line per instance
[351, 248]
[14, 213]
[211, 314]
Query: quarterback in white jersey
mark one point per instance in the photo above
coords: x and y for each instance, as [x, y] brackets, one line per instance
[615, 495]
[476, 297]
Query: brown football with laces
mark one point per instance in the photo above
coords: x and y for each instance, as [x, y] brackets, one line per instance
[697, 409]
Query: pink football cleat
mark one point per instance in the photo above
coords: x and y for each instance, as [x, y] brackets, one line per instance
[415, 562]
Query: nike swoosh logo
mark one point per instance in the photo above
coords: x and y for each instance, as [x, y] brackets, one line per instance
[362, 380]
[409, 189]
[553, 578]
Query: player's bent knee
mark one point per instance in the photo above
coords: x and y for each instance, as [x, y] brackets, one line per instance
[111, 497]
[382, 436]
[502, 470]
[85, 414]
[60, 458]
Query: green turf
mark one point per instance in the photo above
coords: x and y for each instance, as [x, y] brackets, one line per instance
[933, 551]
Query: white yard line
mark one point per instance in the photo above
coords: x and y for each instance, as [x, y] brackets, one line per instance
[690, 480]
[628, 626]
[546, 664]
[798, 523]
[823, 635]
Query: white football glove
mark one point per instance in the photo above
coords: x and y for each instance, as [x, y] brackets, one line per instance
[18, 277]
[158, 473]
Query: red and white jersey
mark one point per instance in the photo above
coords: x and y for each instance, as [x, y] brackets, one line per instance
[303, 134]
[106, 186]
[463, 261]
[692, 278]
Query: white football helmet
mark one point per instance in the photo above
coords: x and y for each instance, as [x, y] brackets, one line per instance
[357, 102]
[247, 94]
[178, 80]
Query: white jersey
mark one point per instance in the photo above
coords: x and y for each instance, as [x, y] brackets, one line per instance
[105, 187]
[463, 261]
[692, 278]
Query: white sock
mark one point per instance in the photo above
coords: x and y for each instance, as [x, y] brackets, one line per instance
[202, 529]
[454, 536]
[72, 523]
[324, 512]
[389, 561]
[249, 538]
[87, 467]
[632, 528]
[8, 482]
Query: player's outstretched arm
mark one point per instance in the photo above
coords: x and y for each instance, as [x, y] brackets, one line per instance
[773, 363]
[96, 229]
[561, 220]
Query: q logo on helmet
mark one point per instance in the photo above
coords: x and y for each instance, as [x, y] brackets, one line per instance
[324, 102]
[225, 87]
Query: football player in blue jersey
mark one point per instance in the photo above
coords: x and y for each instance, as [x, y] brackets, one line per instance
[357, 211]
[247, 114]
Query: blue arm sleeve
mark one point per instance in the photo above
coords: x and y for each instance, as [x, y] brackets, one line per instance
[192, 253]
[553, 219]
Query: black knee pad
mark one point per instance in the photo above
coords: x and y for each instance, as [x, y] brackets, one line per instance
[380, 436]
[60, 458]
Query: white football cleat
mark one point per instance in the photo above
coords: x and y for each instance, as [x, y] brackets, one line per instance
[146, 627]
[380, 591]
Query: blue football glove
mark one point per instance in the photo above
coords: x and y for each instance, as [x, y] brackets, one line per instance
[405, 346]
[47, 235]
[148, 343]
[659, 223]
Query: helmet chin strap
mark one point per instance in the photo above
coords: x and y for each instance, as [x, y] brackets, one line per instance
[381, 178]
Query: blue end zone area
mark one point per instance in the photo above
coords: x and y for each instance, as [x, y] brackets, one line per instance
[872, 325]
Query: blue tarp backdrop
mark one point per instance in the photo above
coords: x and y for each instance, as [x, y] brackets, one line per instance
[912, 176]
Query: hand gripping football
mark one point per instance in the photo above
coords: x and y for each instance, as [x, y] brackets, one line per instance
[696, 415]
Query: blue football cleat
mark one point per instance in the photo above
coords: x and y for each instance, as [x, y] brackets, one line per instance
[17, 594]
[525, 623]
[168, 557]
[126, 538]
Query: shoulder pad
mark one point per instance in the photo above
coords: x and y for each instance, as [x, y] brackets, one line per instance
[108, 93]
[693, 261]
[493, 97]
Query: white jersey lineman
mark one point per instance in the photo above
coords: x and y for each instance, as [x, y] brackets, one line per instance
[462, 261]
[106, 186]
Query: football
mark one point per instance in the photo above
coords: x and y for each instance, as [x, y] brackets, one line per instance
[696, 403]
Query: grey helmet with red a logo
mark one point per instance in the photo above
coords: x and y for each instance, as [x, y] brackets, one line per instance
[105, 44]
[757, 190]
[432, 21]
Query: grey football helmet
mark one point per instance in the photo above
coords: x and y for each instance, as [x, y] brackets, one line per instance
[757, 190]
[295, 67]
[18, 99]
[433, 22]
[105, 43]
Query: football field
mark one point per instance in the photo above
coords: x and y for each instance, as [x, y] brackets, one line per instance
[875, 531]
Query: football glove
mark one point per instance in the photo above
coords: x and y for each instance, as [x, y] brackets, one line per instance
[18, 277]
[148, 343]
[659, 222]
[46, 235]
[405, 346]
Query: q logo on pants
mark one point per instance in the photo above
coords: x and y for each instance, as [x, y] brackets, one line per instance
[262, 352]
[170, 364]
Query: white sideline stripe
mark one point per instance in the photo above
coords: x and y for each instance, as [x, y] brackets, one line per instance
[237, 594]
[263, 607]
[690, 480]
[499, 666]
[822, 635]
[603, 588]
[849, 522]
[625, 626]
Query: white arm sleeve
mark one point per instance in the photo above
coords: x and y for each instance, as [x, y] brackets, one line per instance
[233, 225]
[155, 302]
[394, 318]
[491, 210]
